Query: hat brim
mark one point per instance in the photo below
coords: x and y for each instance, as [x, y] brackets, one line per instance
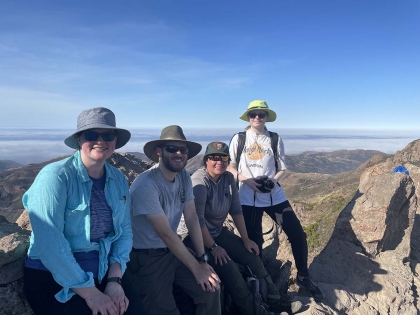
[149, 148]
[122, 138]
[271, 114]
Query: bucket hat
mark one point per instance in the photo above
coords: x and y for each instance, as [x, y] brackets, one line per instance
[219, 148]
[259, 105]
[99, 117]
[170, 133]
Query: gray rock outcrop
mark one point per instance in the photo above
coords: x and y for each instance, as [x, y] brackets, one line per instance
[14, 243]
[370, 265]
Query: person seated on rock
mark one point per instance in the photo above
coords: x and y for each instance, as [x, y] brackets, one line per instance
[216, 195]
[258, 163]
[81, 239]
[159, 259]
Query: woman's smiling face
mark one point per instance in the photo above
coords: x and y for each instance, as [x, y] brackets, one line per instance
[216, 168]
[255, 120]
[98, 150]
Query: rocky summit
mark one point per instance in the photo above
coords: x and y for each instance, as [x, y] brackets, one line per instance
[363, 227]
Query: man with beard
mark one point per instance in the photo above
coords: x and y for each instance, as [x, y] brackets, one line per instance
[159, 197]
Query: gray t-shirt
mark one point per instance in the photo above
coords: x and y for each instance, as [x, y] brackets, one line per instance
[213, 201]
[151, 193]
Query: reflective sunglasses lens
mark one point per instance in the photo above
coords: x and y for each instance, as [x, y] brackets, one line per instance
[108, 136]
[216, 158]
[91, 135]
[175, 149]
[253, 115]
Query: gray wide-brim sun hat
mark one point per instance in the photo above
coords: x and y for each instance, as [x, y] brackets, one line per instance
[101, 118]
[259, 105]
[219, 148]
[170, 133]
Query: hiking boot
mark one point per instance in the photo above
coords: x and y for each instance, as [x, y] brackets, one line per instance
[286, 307]
[307, 284]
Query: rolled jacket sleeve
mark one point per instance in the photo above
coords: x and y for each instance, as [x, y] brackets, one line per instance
[46, 206]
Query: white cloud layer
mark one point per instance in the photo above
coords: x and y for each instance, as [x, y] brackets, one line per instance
[34, 145]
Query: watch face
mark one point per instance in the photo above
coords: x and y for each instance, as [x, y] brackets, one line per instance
[203, 258]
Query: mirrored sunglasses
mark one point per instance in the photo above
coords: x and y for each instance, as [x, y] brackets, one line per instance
[216, 158]
[260, 115]
[175, 149]
[93, 135]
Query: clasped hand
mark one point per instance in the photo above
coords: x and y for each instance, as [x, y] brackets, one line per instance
[112, 302]
[206, 277]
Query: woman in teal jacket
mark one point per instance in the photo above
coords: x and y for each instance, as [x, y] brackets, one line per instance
[79, 210]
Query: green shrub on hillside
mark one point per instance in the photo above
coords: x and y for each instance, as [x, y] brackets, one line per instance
[308, 205]
[312, 235]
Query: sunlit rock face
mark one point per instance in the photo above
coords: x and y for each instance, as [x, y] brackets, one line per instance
[369, 266]
[14, 243]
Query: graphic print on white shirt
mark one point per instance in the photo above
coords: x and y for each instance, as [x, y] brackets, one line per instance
[257, 159]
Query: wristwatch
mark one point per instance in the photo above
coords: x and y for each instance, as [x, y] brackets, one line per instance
[202, 258]
[115, 279]
[213, 247]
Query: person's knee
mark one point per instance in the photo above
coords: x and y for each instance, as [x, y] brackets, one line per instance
[207, 297]
[227, 269]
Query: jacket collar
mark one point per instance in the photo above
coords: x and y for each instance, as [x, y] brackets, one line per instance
[81, 169]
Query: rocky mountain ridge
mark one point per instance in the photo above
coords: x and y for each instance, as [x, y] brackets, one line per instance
[307, 162]
[370, 263]
[7, 164]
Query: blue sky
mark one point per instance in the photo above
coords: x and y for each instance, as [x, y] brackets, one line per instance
[318, 64]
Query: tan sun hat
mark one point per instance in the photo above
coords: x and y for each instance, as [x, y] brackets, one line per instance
[259, 105]
[170, 133]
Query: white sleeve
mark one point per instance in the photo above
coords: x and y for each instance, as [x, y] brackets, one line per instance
[233, 147]
[281, 156]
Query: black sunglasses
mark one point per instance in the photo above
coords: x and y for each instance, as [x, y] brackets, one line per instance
[93, 135]
[175, 149]
[260, 115]
[216, 158]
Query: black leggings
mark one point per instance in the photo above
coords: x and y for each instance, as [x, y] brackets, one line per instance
[40, 288]
[290, 224]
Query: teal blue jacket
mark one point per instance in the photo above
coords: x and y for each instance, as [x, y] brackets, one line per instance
[58, 203]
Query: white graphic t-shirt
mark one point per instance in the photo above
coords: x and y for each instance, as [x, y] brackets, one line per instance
[257, 159]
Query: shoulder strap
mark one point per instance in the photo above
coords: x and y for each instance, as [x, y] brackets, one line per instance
[241, 145]
[274, 142]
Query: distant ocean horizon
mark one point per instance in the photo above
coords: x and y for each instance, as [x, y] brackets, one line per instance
[38, 145]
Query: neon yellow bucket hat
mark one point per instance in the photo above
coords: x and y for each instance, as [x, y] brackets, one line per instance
[259, 105]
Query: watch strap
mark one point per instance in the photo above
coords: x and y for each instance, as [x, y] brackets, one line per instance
[115, 279]
[213, 247]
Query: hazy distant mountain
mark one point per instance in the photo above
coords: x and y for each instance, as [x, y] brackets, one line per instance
[141, 156]
[328, 162]
[6, 164]
[306, 162]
